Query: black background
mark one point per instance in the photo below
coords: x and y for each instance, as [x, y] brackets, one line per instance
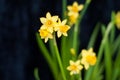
[19, 20]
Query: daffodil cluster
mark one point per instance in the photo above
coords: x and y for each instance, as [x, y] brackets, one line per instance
[52, 24]
[73, 12]
[88, 59]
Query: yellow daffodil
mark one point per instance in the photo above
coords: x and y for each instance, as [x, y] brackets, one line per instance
[73, 18]
[62, 28]
[75, 7]
[73, 12]
[45, 34]
[48, 22]
[74, 67]
[88, 58]
[118, 20]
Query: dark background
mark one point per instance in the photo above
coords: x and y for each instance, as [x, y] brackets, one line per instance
[19, 20]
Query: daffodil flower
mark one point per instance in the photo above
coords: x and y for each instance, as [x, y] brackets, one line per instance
[62, 28]
[88, 58]
[48, 22]
[45, 34]
[73, 12]
[118, 20]
[75, 7]
[74, 67]
[73, 18]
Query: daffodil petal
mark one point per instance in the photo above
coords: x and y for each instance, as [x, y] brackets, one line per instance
[48, 15]
[59, 34]
[80, 7]
[46, 39]
[65, 34]
[64, 21]
[77, 62]
[43, 20]
[75, 4]
[69, 8]
[55, 18]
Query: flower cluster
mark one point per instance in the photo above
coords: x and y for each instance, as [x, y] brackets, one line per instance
[73, 12]
[88, 58]
[62, 61]
[52, 24]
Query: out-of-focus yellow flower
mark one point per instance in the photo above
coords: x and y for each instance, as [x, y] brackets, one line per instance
[73, 19]
[74, 67]
[73, 12]
[48, 22]
[88, 58]
[45, 34]
[75, 7]
[118, 20]
[61, 28]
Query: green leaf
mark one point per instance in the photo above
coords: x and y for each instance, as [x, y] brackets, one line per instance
[108, 58]
[93, 36]
[47, 56]
[36, 74]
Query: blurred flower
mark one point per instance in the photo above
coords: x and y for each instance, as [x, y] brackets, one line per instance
[74, 67]
[75, 7]
[61, 28]
[45, 34]
[48, 22]
[88, 58]
[73, 12]
[118, 20]
[73, 18]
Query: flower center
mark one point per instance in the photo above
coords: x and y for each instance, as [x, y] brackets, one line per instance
[91, 59]
[73, 67]
[63, 29]
[49, 22]
[73, 19]
[75, 8]
[44, 33]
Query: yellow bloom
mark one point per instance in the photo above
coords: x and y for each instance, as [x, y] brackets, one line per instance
[73, 18]
[45, 34]
[88, 58]
[73, 12]
[62, 28]
[118, 20]
[74, 67]
[48, 22]
[75, 7]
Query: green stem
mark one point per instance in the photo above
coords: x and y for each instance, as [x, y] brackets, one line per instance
[58, 58]
[63, 39]
[64, 3]
[94, 36]
[104, 41]
[116, 44]
[100, 52]
[36, 74]
[76, 28]
[108, 61]
[112, 35]
[46, 55]
[108, 56]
